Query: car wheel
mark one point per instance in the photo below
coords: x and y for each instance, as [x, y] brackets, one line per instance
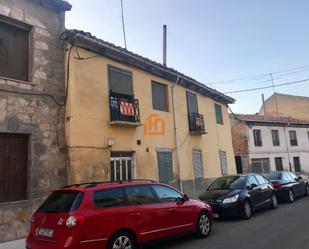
[246, 211]
[291, 197]
[203, 226]
[274, 202]
[122, 240]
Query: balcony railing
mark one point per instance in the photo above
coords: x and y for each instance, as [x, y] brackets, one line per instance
[124, 110]
[196, 123]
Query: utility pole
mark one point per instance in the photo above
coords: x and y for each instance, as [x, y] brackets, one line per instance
[164, 44]
[276, 102]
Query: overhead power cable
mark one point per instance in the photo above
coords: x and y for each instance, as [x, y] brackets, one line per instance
[266, 87]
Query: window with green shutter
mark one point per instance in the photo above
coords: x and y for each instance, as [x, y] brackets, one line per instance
[219, 117]
[120, 81]
[159, 96]
[165, 163]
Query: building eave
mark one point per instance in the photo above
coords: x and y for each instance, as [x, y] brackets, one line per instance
[109, 50]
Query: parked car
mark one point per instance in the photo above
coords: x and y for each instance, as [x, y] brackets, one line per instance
[239, 195]
[288, 186]
[115, 215]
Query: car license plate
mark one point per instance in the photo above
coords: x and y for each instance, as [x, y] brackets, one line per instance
[215, 215]
[45, 232]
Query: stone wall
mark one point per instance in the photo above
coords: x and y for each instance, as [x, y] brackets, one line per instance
[37, 115]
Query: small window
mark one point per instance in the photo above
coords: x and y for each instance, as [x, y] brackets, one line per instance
[197, 163]
[62, 202]
[159, 96]
[140, 195]
[275, 137]
[260, 179]
[166, 194]
[286, 177]
[278, 163]
[293, 138]
[257, 137]
[13, 51]
[120, 81]
[165, 163]
[219, 118]
[296, 161]
[260, 165]
[109, 198]
[223, 163]
[293, 176]
[308, 134]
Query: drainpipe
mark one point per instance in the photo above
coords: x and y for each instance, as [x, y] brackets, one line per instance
[175, 134]
[287, 148]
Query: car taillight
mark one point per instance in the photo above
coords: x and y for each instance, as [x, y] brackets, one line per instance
[277, 185]
[74, 220]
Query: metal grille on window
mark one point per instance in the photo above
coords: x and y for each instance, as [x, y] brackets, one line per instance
[223, 162]
[197, 163]
[121, 168]
[165, 163]
[159, 96]
[260, 165]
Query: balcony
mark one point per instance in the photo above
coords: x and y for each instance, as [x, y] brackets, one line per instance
[124, 110]
[196, 123]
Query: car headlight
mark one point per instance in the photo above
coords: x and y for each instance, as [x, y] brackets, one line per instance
[231, 199]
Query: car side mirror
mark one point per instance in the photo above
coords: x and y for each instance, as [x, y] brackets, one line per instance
[186, 197]
[299, 178]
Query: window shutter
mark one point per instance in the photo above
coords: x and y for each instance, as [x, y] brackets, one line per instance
[197, 163]
[192, 103]
[120, 81]
[223, 163]
[219, 117]
[165, 162]
[159, 96]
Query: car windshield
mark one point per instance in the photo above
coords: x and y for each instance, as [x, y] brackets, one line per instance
[273, 176]
[228, 183]
[61, 202]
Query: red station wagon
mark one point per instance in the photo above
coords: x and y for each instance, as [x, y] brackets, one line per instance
[115, 215]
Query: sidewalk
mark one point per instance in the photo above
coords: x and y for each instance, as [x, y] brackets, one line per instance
[17, 244]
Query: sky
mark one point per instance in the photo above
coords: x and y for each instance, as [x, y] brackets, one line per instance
[213, 41]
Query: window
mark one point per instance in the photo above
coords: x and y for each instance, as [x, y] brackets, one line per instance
[122, 166]
[293, 138]
[257, 137]
[166, 194]
[223, 163]
[296, 161]
[260, 165]
[62, 202]
[159, 96]
[275, 137]
[197, 163]
[308, 134]
[13, 167]
[140, 195]
[109, 198]
[219, 118]
[120, 81]
[252, 180]
[260, 179]
[278, 163]
[292, 176]
[286, 177]
[14, 51]
[228, 182]
[192, 103]
[165, 163]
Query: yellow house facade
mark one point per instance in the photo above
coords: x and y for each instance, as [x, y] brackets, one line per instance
[131, 118]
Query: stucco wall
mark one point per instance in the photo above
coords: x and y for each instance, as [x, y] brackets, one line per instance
[288, 105]
[88, 127]
[35, 115]
[270, 151]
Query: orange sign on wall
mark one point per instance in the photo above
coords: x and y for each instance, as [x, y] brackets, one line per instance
[154, 125]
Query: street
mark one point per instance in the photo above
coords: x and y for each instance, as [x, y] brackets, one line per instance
[284, 228]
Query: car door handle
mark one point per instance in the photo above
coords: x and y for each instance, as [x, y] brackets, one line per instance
[170, 210]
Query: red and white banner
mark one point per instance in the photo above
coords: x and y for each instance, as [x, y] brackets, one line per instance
[126, 108]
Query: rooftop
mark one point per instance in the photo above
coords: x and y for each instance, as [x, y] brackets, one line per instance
[257, 118]
[88, 41]
[59, 5]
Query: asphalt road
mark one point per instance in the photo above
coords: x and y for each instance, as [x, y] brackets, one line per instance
[284, 228]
